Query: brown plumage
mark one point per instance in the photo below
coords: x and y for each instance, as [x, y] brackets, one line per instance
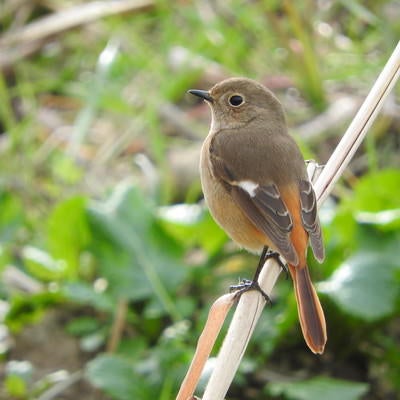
[256, 186]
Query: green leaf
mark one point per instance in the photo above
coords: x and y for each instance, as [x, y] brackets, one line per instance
[374, 201]
[135, 255]
[192, 224]
[93, 342]
[134, 346]
[117, 377]
[378, 193]
[11, 215]
[42, 265]
[82, 326]
[28, 309]
[365, 284]
[66, 169]
[360, 11]
[15, 386]
[18, 377]
[386, 219]
[68, 233]
[319, 388]
[84, 293]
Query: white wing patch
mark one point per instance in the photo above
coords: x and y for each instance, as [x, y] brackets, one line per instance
[249, 186]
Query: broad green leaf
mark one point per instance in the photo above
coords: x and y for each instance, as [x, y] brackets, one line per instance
[192, 224]
[42, 265]
[135, 255]
[117, 377]
[365, 284]
[319, 388]
[383, 219]
[378, 193]
[68, 232]
[375, 201]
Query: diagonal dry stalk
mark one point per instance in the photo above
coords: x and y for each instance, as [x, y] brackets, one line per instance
[251, 304]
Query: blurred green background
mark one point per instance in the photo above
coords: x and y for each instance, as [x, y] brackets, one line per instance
[108, 257]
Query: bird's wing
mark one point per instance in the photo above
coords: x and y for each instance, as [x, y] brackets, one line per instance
[310, 219]
[262, 204]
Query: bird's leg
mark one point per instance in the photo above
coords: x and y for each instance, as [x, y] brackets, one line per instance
[247, 284]
[277, 257]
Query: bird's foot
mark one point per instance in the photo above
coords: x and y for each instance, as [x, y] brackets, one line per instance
[247, 285]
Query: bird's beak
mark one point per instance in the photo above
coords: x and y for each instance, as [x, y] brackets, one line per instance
[201, 93]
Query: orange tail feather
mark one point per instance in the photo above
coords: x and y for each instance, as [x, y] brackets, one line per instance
[311, 315]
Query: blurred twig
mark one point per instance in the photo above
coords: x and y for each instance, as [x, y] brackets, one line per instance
[24, 41]
[178, 120]
[334, 116]
[358, 128]
[118, 325]
[70, 18]
[62, 386]
[17, 280]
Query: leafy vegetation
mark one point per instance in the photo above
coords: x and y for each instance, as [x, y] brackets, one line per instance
[109, 259]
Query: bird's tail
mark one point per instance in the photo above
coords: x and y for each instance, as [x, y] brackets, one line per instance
[311, 315]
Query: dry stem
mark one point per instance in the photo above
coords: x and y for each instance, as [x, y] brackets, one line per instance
[251, 303]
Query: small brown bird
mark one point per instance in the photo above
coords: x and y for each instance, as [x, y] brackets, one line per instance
[256, 186]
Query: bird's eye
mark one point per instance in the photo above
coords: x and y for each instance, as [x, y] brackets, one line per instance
[235, 100]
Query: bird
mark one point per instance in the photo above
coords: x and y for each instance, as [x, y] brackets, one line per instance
[256, 186]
